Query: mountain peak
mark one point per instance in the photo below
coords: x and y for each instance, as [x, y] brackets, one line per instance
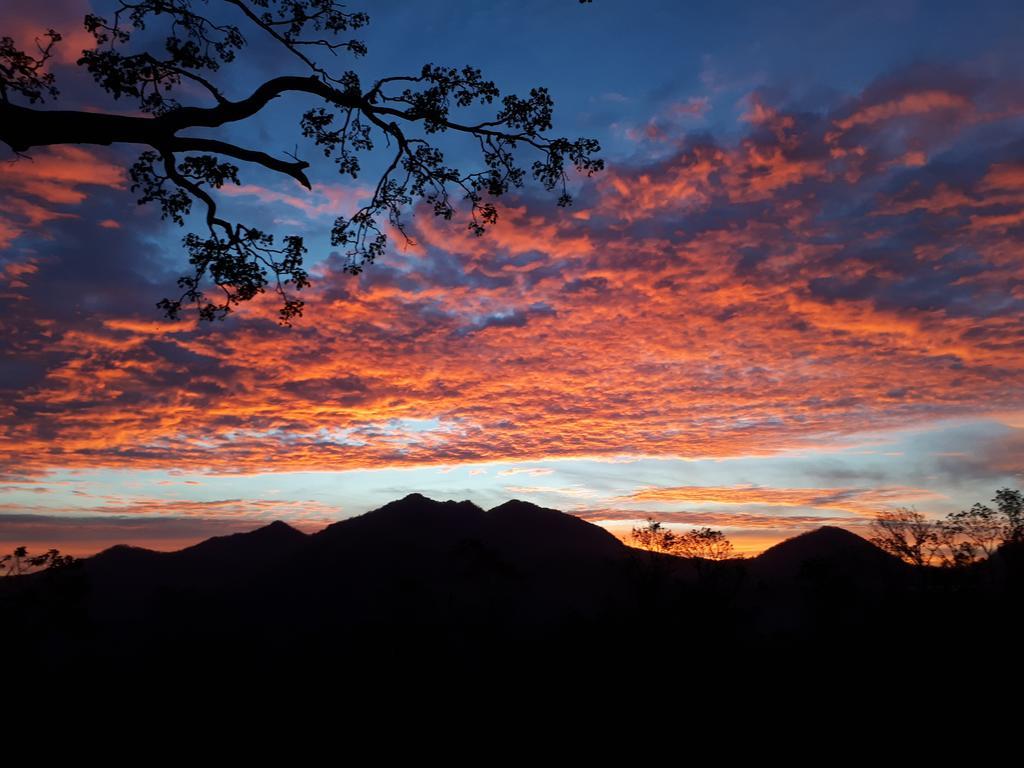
[411, 497]
[417, 502]
[540, 531]
[278, 528]
[518, 505]
[265, 540]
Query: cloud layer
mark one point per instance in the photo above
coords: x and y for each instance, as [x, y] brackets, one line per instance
[815, 268]
[828, 273]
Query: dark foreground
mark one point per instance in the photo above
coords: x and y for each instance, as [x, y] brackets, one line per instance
[424, 590]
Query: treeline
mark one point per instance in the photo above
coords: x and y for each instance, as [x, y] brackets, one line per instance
[959, 539]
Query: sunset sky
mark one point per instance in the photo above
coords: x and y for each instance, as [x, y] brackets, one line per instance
[794, 297]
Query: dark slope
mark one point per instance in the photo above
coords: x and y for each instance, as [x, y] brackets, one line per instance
[441, 572]
[452, 561]
[140, 598]
[538, 533]
[838, 546]
[270, 540]
[427, 586]
[827, 583]
[414, 522]
[239, 555]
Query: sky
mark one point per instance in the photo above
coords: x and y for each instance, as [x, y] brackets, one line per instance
[794, 297]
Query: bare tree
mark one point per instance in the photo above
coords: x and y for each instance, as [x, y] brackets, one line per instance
[907, 534]
[961, 538]
[973, 534]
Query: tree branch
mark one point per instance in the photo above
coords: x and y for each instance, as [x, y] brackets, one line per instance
[343, 124]
[294, 169]
[22, 128]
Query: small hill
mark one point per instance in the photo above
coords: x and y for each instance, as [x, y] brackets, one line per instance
[828, 543]
[270, 541]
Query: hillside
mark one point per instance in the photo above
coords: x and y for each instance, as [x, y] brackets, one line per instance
[419, 583]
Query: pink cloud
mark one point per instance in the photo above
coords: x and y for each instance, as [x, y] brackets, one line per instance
[905, 105]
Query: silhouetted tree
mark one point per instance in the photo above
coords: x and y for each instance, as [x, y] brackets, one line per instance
[960, 538]
[976, 533]
[653, 536]
[20, 562]
[1010, 504]
[907, 534]
[347, 119]
[704, 543]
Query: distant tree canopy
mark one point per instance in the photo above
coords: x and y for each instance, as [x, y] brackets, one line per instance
[702, 543]
[346, 119]
[960, 538]
[20, 562]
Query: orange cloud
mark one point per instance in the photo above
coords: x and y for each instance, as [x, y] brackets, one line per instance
[710, 304]
[855, 500]
[903, 106]
[31, 187]
[55, 174]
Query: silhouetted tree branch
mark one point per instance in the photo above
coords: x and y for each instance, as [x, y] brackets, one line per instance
[349, 118]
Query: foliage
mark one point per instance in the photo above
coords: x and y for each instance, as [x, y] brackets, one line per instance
[701, 543]
[704, 543]
[959, 539]
[349, 118]
[907, 534]
[654, 537]
[20, 562]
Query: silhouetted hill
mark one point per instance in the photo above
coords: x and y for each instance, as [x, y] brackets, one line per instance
[828, 543]
[445, 561]
[122, 555]
[515, 527]
[538, 532]
[828, 582]
[414, 521]
[221, 558]
[267, 540]
[254, 549]
[422, 587]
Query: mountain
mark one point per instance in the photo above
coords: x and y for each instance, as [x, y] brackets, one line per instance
[517, 529]
[221, 558]
[532, 532]
[420, 586]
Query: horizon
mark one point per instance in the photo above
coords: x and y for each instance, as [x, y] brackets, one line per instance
[83, 544]
[87, 547]
[793, 298]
